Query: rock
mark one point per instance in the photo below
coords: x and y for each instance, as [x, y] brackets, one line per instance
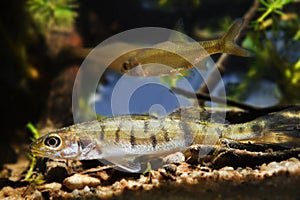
[78, 181]
[177, 157]
[75, 192]
[56, 171]
[6, 192]
[50, 186]
[37, 195]
[17, 169]
[103, 175]
[86, 189]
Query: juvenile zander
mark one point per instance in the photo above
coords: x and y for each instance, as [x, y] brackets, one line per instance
[126, 141]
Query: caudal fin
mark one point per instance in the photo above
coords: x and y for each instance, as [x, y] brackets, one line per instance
[230, 46]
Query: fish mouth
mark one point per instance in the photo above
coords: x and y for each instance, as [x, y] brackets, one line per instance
[34, 150]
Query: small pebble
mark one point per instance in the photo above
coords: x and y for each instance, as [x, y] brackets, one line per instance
[50, 186]
[37, 195]
[79, 181]
[86, 189]
[177, 157]
[147, 186]
[143, 179]
[103, 175]
[75, 192]
[171, 168]
[7, 191]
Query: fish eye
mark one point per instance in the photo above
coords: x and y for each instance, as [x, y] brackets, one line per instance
[52, 141]
[126, 66]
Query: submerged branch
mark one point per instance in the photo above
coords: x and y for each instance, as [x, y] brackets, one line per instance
[241, 155]
[206, 97]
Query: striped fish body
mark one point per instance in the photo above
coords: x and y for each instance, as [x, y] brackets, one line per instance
[128, 140]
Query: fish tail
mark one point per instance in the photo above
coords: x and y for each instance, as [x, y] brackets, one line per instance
[228, 43]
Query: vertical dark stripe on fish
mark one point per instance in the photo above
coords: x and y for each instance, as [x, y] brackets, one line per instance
[166, 134]
[165, 131]
[256, 128]
[117, 135]
[102, 132]
[146, 126]
[188, 134]
[132, 138]
[241, 129]
[153, 140]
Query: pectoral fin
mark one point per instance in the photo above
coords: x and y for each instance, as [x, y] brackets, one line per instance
[127, 163]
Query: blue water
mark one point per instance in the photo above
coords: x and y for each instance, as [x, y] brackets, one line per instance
[130, 95]
[262, 93]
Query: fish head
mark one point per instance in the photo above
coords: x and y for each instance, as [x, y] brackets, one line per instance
[129, 65]
[57, 145]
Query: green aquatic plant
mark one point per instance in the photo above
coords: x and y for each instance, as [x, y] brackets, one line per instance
[48, 14]
[291, 81]
[30, 175]
[274, 38]
[270, 7]
[33, 130]
[293, 73]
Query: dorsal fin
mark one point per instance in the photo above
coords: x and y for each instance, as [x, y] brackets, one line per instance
[177, 35]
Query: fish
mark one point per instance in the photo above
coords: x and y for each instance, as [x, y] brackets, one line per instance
[168, 58]
[127, 141]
